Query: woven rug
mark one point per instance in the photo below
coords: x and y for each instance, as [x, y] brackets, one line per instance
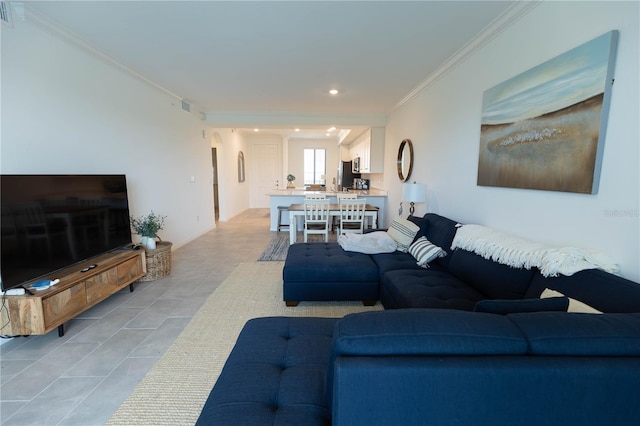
[277, 248]
[176, 388]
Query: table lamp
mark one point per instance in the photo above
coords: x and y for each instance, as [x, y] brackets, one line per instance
[414, 193]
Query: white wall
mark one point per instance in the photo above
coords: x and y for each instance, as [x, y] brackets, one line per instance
[64, 110]
[443, 122]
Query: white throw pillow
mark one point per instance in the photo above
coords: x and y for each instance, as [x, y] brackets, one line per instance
[403, 232]
[574, 305]
[425, 251]
[371, 243]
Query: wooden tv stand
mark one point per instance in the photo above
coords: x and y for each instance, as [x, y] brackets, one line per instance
[76, 292]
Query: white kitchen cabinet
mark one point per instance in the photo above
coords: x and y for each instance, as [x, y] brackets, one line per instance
[369, 146]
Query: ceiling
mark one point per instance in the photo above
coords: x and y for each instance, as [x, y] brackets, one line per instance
[270, 64]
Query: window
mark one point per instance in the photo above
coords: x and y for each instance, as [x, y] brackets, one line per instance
[315, 166]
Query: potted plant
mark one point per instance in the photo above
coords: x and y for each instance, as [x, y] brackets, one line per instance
[290, 179]
[147, 227]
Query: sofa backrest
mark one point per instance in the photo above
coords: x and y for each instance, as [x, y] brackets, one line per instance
[557, 368]
[494, 280]
[438, 334]
[422, 332]
[575, 334]
[604, 291]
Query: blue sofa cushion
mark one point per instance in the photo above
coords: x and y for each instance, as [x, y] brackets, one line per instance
[426, 288]
[275, 374]
[426, 332]
[422, 223]
[393, 262]
[555, 333]
[604, 291]
[440, 231]
[504, 307]
[494, 280]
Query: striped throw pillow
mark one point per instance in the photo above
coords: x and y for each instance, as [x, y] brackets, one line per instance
[425, 251]
[403, 231]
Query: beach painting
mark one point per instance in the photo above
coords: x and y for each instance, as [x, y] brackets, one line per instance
[544, 129]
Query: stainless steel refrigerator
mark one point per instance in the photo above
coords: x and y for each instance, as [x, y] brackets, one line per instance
[346, 175]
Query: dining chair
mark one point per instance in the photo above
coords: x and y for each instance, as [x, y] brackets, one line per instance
[335, 222]
[315, 197]
[316, 218]
[352, 215]
[346, 196]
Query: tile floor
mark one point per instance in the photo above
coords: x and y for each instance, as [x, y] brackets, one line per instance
[84, 376]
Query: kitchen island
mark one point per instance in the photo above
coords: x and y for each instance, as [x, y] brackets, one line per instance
[286, 197]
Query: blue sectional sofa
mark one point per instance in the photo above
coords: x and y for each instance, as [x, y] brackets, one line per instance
[429, 359]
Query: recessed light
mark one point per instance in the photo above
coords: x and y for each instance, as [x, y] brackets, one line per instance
[331, 129]
[333, 92]
[297, 130]
[256, 130]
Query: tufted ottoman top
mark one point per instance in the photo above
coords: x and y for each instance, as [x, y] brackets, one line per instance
[275, 375]
[327, 262]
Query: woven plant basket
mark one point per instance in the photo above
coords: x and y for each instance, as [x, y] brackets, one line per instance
[158, 261]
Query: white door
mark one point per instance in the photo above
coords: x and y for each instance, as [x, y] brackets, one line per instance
[265, 172]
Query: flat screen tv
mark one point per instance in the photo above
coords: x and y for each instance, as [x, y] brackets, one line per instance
[50, 222]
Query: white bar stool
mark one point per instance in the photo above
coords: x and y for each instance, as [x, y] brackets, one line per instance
[280, 224]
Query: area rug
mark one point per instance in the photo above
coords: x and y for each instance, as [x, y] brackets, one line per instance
[277, 248]
[176, 388]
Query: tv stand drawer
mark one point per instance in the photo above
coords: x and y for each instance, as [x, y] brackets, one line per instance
[102, 285]
[64, 305]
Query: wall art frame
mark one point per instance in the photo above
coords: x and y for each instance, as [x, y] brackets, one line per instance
[544, 129]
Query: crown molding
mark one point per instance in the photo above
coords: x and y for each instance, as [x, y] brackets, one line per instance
[497, 26]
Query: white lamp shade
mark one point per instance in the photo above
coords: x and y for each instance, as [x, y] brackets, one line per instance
[414, 192]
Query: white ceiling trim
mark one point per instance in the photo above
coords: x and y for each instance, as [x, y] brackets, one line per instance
[501, 23]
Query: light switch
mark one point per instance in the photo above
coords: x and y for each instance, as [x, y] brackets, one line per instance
[192, 179]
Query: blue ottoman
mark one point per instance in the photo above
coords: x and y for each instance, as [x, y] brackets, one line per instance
[324, 271]
[275, 375]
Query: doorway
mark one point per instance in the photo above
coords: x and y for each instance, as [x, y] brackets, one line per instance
[266, 168]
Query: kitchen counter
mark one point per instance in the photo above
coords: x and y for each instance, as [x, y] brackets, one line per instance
[373, 192]
[286, 197]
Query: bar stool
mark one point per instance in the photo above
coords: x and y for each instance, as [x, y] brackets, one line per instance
[280, 210]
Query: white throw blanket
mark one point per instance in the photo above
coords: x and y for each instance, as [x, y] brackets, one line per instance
[371, 243]
[521, 253]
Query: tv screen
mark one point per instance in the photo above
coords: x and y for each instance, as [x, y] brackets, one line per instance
[53, 221]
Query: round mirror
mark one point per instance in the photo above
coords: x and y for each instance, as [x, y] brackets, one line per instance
[405, 160]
